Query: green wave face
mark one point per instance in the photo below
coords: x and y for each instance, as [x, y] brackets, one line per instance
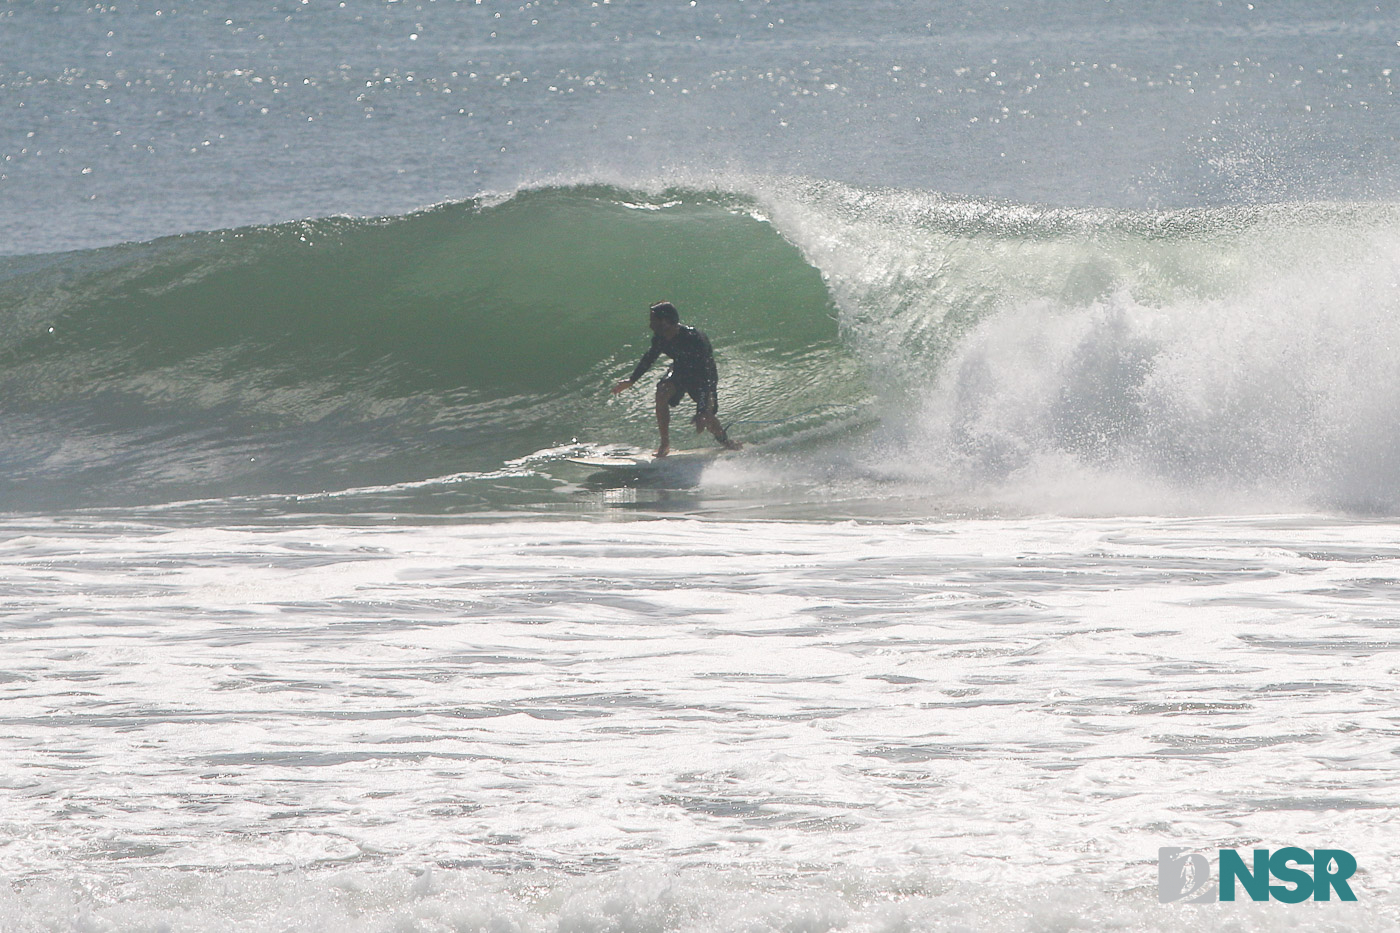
[340, 352]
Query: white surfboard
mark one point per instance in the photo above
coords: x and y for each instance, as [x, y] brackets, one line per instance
[647, 462]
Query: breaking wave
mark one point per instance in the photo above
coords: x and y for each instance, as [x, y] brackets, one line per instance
[1003, 352]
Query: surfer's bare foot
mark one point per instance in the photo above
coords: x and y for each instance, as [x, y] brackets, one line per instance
[663, 450]
[731, 445]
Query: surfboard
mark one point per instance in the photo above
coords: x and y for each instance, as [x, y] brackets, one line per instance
[640, 462]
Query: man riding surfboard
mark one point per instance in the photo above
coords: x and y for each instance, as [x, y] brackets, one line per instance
[692, 373]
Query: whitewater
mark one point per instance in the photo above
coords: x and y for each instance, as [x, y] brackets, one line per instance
[1062, 341]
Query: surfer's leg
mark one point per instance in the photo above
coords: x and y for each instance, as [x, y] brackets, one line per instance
[665, 394]
[711, 423]
[706, 404]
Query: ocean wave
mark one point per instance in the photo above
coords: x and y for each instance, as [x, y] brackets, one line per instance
[339, 353]
[997, 345]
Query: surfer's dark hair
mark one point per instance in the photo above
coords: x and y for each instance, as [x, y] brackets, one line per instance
[666, 311]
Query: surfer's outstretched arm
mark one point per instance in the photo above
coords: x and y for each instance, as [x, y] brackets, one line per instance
[646, 362]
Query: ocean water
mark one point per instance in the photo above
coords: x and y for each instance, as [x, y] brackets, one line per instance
[1062, 339]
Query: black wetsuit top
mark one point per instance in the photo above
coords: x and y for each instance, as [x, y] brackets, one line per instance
[693, 361]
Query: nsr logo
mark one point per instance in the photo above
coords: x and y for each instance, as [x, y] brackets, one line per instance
[1185, 875]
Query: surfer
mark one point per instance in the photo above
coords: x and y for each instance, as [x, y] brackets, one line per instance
[692, 373]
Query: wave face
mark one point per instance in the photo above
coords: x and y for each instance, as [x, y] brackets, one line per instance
[1059, 360]
[342, 353]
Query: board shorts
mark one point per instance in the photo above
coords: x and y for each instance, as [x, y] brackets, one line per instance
[705, 395]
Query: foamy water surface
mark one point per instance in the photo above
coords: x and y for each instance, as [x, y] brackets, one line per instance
[563, 725]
